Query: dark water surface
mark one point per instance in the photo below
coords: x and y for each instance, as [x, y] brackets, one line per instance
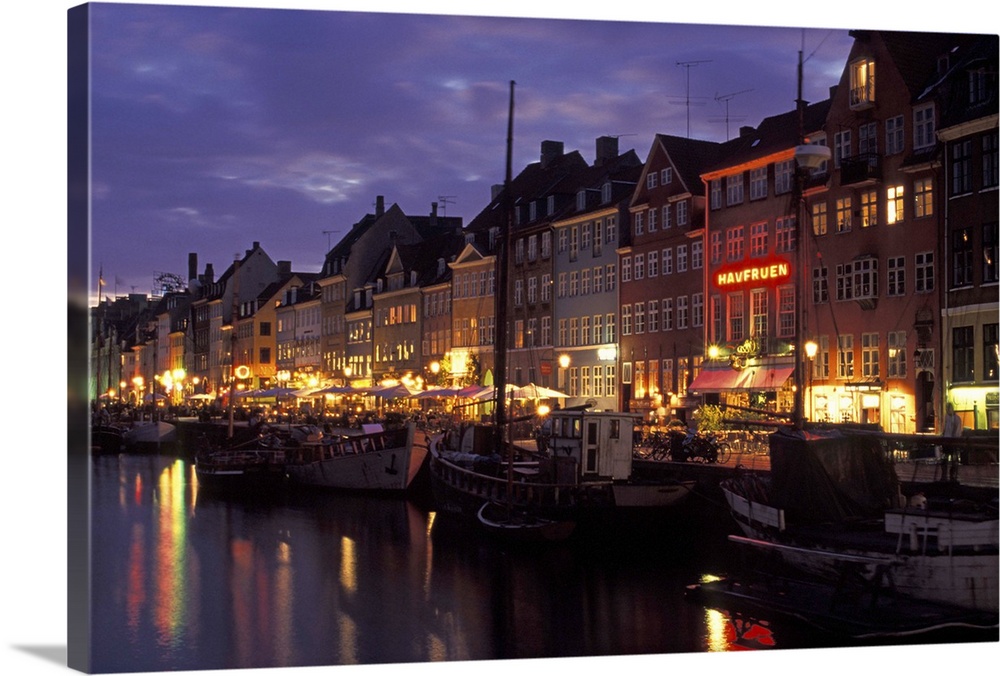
[185, 580]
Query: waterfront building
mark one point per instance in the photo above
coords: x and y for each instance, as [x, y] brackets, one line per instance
[753, 266]
[877, 253]
[298, 319]
[969, 190]
[662, 262]
[257, 335]
[583, 287]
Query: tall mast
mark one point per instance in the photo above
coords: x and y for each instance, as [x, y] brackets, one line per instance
[500, 298]
[800, 242]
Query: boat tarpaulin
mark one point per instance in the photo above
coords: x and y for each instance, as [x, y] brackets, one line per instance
[716, 380]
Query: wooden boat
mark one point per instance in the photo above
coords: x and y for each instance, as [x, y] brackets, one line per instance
[376, 460]
[241, 471]
[146, 436]
[585, 475]
[107, 439]
[831, 509]
[521, 525]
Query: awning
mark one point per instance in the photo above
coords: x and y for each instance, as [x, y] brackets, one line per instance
[765, 377]
[716, 380]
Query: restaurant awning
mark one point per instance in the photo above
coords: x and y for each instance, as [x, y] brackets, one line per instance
[716, 380]
[766, 377]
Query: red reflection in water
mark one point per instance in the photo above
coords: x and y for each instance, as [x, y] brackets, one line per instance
[747, 633]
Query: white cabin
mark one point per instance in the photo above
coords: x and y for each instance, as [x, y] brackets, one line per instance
[599, 444]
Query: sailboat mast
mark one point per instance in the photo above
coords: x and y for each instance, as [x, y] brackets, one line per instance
[500, 298]
[800, 242]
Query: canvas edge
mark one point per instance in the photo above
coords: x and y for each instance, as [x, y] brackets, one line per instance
[78, 536]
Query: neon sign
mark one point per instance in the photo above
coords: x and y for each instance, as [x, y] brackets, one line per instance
[766, 273]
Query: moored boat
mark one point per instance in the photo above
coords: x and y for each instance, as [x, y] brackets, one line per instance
[241, 471]
[831, 508]
[585, 475]
[107, 439]
[146, 436]
[520, 525]
[378, 459]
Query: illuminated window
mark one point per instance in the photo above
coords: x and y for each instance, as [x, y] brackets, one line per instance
[869, 208]
[862, 83]
[844, 214]
[894, 204]
[819, 218]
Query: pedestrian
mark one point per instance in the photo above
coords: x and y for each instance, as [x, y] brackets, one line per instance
[952, 428]
[952, 422]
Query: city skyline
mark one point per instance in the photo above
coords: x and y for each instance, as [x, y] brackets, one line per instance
[217, 127]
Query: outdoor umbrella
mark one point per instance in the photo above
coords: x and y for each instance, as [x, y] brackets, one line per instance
[532, 391]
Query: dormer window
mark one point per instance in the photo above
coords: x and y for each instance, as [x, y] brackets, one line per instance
[606, 193]
[862, 83]
[550, 207]
[581, 200]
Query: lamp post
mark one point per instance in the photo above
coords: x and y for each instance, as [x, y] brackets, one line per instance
[563, 365]
[811, 348]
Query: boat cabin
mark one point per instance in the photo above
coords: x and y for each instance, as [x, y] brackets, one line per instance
[592, 445]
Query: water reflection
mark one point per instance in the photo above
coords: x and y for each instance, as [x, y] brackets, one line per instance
[184, 579]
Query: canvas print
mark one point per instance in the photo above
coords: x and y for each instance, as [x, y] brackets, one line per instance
[420, 339]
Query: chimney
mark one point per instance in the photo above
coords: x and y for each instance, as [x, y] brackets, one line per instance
[379, 206]
[607, 150]
[284, 267]
[746, 130]
[551, 150]
[209, 274]
[434, 214]
[192, 266]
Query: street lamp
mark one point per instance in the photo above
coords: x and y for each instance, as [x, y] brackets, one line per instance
[563, 365]
[811, 349]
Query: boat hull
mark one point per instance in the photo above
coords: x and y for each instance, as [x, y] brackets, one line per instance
[374, 462]
[242, 472]
[912, 562]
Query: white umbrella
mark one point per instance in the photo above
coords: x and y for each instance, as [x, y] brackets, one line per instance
[532, 391]
[201, 397]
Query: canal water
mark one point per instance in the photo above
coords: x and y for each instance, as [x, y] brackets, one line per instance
[185, 580]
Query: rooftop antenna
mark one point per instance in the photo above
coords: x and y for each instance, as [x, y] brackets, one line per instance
[687, 65]
[328, 233]
[727, 98]
[445, 200]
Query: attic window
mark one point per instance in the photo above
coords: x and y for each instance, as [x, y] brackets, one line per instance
[606, 193]
[862, 89]
[581, 200]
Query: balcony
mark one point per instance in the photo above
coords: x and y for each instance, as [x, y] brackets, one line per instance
[862, 169]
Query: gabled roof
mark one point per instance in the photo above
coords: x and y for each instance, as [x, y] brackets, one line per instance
[536, 181]
[773, 135]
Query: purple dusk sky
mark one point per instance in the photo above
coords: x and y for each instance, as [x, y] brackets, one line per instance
[214, 127]
[217, 127]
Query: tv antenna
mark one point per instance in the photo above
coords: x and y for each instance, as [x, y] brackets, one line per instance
[328, 233]
[688, 65]
[445, 200]
[727, 98]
